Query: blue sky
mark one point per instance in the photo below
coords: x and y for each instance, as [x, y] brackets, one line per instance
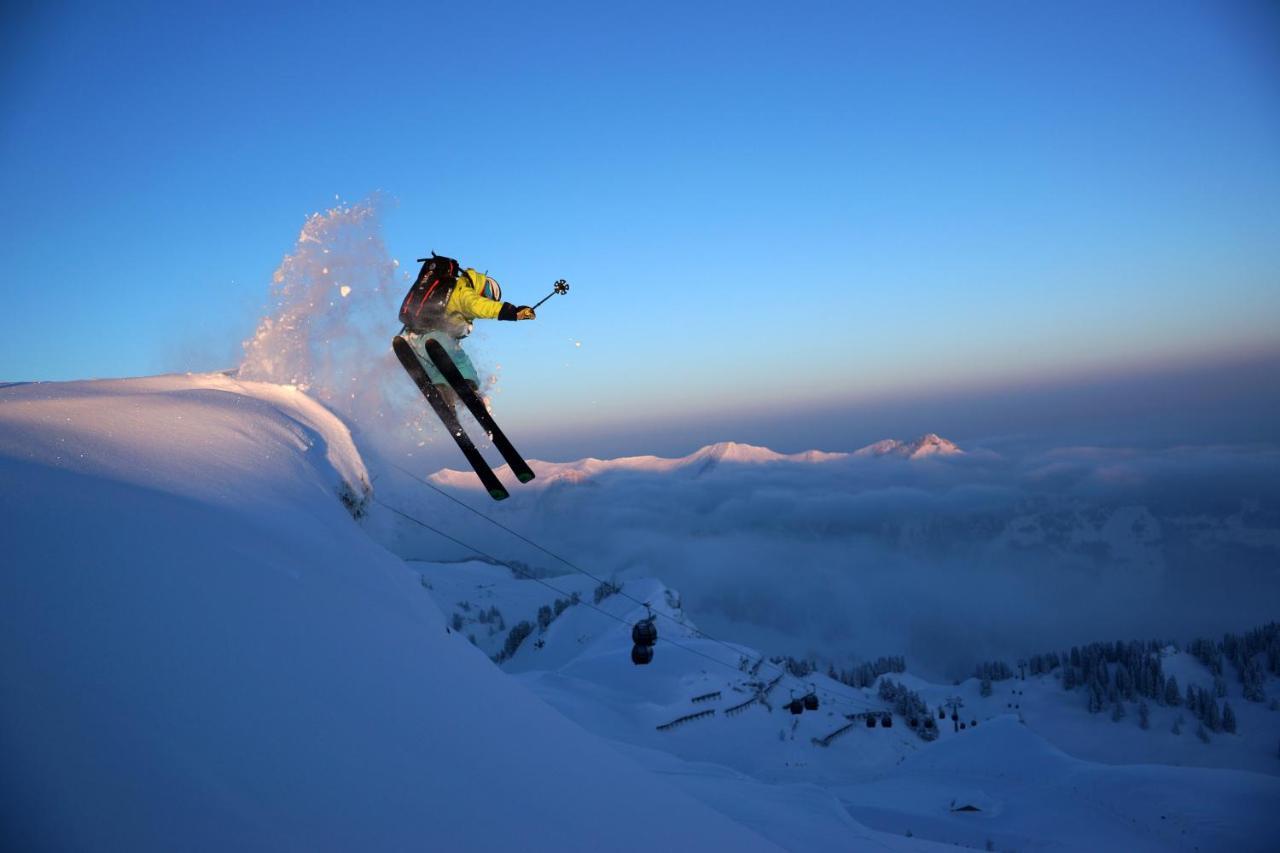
[758, 205]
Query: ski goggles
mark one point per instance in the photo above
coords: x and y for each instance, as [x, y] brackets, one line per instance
[491, 290]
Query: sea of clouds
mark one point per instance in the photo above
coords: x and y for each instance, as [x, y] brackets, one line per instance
[947, 560]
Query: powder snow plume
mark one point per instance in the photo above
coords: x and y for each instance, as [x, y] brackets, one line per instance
[335, 298]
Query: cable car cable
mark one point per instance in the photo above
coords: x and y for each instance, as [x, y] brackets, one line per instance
[583, 571]
[558, 592]
[576, 568]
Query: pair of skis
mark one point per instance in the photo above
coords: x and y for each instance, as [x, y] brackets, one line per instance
[440, 358]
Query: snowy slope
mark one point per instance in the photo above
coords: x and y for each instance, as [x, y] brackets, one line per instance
[201, 650]
[1043, 773]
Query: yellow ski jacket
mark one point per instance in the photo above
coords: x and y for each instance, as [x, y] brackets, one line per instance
[466, 303]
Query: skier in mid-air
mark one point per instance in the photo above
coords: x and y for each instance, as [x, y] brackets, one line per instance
[474, 296]
[437, 314]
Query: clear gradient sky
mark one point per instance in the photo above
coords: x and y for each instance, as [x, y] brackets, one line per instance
[870, 199]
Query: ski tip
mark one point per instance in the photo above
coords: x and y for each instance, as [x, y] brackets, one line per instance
[524, 476]
[499, 494]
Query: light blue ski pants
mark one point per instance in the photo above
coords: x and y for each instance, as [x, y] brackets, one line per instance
[418, 343]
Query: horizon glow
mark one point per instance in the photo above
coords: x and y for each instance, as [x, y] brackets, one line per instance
[934, 201]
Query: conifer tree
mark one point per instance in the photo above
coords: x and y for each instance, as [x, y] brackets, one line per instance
[1228, 718]
[1212, 718]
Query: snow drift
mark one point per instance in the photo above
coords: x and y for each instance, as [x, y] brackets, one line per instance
[200, 649]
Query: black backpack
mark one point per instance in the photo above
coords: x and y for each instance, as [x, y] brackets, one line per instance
[423, 306]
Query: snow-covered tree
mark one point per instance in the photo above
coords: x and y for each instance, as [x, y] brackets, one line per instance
[517, 636]
[1228, 718]
[604, 590]
[1144, 715]
[1095, 698]
[1171, 695]
[995, 670]
[1252, 679]
[1212, 717]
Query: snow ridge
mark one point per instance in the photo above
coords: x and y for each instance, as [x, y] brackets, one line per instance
[707, 459]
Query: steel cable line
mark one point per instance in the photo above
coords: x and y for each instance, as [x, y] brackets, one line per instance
[579, 569]
[558, 592]
[550, 553]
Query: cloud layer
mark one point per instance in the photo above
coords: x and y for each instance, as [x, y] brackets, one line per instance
[946, 559]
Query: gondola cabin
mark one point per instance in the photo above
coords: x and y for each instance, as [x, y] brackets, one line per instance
[644, 632]
[641, 655]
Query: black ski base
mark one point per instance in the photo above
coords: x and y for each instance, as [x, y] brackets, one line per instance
[449, 417]
[440, 358]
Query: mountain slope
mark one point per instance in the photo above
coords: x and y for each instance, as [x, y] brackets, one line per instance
[201, 650]
[1038, 770]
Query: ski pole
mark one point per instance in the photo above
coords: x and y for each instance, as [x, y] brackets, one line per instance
[561, 287]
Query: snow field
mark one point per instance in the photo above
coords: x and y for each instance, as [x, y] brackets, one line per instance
[202, 650]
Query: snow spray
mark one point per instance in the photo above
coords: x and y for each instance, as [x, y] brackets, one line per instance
[329, 328]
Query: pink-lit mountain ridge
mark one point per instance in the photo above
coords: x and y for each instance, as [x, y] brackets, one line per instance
[713, 455]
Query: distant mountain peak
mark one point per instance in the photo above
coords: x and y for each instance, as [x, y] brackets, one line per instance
[929, 444]
[932, 444]
[733, 451]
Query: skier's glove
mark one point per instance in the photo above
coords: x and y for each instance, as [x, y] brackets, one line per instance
[511, 312]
